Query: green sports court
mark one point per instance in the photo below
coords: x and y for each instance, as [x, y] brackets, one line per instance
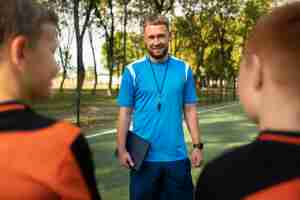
[223, 126]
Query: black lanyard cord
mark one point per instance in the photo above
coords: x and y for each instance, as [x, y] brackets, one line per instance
[160, 88]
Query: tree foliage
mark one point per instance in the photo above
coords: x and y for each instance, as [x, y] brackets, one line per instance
[209, 34]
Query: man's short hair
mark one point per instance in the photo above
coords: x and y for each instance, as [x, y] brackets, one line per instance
[24, 17]
[156, 20]
[276, 41]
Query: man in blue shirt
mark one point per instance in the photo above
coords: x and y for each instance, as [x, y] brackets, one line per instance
[156, 92]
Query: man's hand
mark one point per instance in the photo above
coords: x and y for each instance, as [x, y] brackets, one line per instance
[196, 157]
[123, 126]
[125, 159]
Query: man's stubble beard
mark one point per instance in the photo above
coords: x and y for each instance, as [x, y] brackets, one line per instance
[158, 57]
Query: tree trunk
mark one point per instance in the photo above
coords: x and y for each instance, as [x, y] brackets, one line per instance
[64, 75]
[63, 63]
[109, 91]
[200, 59]
[221, 89]
[79, 42]
[111, 49]
[109, 65]
[80, 67]
[234, 88]
[125, 34]
[197, 76]
[95, 63]
[119, 68]
[80, 80]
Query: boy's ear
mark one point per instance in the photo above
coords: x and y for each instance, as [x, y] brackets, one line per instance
[257, 72]
[18, 47]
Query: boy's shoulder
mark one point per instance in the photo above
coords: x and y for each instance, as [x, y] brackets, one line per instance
[229, 160]
[33, 124]
[60, 130]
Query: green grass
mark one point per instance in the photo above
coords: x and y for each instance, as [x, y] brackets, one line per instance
[221, 130]
[96, 112]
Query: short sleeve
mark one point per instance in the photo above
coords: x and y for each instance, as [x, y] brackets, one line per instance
[189, 94]
[126, 92]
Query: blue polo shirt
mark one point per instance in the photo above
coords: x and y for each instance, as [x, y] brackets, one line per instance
[162, 128]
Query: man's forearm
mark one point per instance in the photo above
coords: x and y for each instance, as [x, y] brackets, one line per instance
[123, 126]
[191, 119]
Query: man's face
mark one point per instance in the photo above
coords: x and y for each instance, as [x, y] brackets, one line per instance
[156, 38]
[41, 64]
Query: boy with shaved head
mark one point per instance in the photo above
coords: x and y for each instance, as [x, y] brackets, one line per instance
[269, 89]
[41, 158]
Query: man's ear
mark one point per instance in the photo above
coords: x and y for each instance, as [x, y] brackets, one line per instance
[18, 47]
[257, 72]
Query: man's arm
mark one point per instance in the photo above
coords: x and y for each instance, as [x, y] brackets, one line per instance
[123, 127]
[191, 119]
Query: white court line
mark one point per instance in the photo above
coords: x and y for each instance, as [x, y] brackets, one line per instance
[102, 133]
[200, 112]
[218, 108]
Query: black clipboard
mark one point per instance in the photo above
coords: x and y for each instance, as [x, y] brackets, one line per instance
[138, 148]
